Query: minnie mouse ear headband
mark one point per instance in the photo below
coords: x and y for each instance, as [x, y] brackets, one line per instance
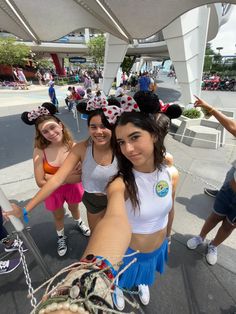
[85, 106]
[148, 102]
[173, 111]
[30, 117]
[112, 108]
[127, 104]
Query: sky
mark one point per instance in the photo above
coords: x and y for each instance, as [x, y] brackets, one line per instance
[226, 36]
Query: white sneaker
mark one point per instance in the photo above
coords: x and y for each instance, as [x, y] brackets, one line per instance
[211, 255]
[144, 294]
[83, 228]
[118, 299]
[61, 246]
[194, 242]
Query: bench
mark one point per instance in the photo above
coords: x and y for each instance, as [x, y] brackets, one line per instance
[209, 130]
[202, 136]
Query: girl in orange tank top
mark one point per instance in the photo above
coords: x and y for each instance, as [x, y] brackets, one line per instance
[53, 142]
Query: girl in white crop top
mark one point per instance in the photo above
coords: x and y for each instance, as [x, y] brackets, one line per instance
[149, 198]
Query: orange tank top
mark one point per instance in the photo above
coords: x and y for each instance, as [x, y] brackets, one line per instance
[47, 167]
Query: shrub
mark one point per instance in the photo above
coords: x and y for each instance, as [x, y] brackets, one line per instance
[192, 113]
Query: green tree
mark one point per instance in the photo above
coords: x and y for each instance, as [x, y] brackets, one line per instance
[96, 49]
[209, 50]
[41, 61]
[12, 53]
[127, 64]
[209, 55]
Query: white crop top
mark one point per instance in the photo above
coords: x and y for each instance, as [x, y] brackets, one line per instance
[155, 195]
[94, 176]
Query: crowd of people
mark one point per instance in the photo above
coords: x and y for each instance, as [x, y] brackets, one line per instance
[127, 182]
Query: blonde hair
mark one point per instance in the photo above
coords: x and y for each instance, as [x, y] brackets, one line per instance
[41, 142]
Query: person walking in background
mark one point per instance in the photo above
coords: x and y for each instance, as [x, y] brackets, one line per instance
[144, 82]
[224, 211]
[68, 98]
[52, 95]
[96, 79]
[39, 77]
[53, 143]
[22, 78]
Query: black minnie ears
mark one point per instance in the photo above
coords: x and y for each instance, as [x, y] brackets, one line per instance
[173, 111]
[30, 117]
[148, 102]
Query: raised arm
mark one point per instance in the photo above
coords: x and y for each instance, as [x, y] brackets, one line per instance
[57, 180]
[112, 235]
[227, 122]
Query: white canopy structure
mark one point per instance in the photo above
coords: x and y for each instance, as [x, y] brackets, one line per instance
[125, 21]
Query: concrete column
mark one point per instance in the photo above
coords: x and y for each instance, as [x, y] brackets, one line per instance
[86, 35]
[186, 41]
[115, 51]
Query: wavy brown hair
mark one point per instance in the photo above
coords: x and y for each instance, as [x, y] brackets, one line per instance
[145, 122]
[41, 142]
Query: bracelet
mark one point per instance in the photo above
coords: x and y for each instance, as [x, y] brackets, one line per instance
[211, 110]
[25, 215]
[101, 263]
[169, 240]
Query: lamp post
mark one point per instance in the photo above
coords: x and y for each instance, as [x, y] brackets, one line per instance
[219, 49]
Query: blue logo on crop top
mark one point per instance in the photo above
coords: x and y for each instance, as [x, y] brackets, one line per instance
[162, 188]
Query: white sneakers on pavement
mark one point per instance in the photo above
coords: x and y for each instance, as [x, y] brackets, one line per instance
[194, 242]
[61, 246]
[211, 255]
[118, 299]
[144, 294]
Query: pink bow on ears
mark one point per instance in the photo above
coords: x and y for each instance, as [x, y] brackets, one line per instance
[34, 114]
[127, 104]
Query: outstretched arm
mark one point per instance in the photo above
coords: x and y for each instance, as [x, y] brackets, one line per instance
[112, 235]
[227, 122]
[57, 180]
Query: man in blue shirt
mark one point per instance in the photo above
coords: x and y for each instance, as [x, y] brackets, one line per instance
[52, 95]
[144, 82]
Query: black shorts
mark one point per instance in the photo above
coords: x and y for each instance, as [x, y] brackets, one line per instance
[94, 203]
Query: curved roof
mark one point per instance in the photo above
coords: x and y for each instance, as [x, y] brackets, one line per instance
[133, 19]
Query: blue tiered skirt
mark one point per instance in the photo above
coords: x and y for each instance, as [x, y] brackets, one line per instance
[143, 270]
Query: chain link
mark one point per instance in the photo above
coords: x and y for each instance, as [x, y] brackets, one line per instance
[33, 300]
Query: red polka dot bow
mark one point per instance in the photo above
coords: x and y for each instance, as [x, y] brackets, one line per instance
[97, 102]
[34, 114]
[127, 104]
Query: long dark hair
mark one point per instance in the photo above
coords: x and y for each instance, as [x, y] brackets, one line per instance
[145, 122]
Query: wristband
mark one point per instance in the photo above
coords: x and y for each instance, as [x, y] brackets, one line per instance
[169, 240]
[211, 110]
[25, 215]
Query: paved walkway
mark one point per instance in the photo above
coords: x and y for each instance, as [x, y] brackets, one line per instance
[190, 285]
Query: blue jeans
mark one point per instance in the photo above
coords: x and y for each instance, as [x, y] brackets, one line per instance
[225, 203]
